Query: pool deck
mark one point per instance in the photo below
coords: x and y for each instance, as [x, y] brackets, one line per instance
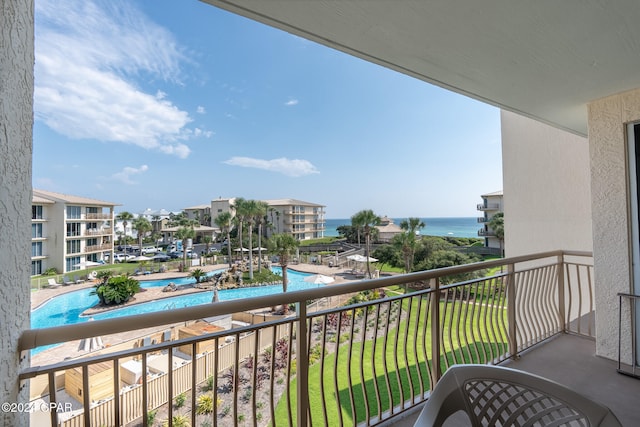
[64, 351]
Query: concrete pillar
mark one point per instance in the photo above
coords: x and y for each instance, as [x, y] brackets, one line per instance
[16, 124]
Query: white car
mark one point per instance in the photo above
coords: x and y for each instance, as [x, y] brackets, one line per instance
[120, 257]
[151, 250]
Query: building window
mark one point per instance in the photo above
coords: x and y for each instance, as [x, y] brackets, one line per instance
[73, 246]
[71, 262]
[73, 229]
[36, 267]
[74, 212]
[36, 231]
[36, 212]
[92, 210]
[36, 249]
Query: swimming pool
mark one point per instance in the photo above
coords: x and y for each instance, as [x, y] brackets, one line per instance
[66, 309]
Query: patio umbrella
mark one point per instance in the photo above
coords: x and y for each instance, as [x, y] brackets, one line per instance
[319, 279]
[361, 258]
[243, 250]
[259, 249]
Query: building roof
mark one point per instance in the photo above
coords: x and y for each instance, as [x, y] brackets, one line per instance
[495, 193]
[291, 202]
[197, 207]
[70, 199]
[389, 228]
[41, 200]
[541, 59]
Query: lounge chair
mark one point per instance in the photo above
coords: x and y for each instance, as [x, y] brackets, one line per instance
[78, 280]
[492, 395]
[66, 281]
[51, 283]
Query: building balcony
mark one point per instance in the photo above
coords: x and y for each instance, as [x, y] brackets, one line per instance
[482, 220]
[488, 207]
[486, 233]
[98, 248]
[103, 216]
[98, 232]
[371, 362]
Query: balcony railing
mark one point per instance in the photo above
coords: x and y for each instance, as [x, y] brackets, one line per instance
[98, 248]
[488, 206]
[98, 231]
[98, 216]
[360, 363]
[486, 233]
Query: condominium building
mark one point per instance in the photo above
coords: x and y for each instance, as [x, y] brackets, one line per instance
[491, 205]
[67, 231]
[304, 220]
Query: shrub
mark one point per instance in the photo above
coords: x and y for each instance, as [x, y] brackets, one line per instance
[205, 404]
[50, 271]
[198, 274]
[180, 399]
[116, 290]
[151, 416]
[179, 421]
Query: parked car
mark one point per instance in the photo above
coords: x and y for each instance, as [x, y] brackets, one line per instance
[151, 250]
[160, 257]
[174, 254]
[191, 254]
[120, 257]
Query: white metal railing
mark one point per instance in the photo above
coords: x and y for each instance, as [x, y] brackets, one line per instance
[360, 363]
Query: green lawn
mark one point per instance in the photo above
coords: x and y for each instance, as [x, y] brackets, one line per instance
[406, 376]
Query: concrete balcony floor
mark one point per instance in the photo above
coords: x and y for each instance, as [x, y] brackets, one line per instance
[571, 360]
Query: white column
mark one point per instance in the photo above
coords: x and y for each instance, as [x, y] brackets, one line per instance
[16, 124]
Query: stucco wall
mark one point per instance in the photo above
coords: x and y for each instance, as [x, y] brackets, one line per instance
[547, 198]
[607, 130]
[16, 123]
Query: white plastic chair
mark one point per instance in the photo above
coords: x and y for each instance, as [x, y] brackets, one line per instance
[497, 396]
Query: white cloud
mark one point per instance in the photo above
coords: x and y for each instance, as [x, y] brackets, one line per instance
[88, 57]
[291, 102]
[125, 174]
[201, 110]
[289, 167]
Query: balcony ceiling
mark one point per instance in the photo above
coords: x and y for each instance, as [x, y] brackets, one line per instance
[545, 59]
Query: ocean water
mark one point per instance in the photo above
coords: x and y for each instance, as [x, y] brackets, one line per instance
[452, 227]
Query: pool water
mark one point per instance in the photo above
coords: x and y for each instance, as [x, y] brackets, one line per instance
[66, 309]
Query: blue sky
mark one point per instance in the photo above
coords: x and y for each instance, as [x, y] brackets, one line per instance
[169, 104]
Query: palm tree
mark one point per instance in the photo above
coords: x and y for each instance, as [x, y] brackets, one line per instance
[156, 221]
[367, 220]
[125, 217]
[240, 209]
[411, 226]
[283, 245]
[225, 222]
[142, 226]
[185, 233]
[261, 218]
[251, 209]
[207, 243]
[496, 223]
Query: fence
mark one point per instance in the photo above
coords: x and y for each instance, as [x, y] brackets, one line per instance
[365, 362]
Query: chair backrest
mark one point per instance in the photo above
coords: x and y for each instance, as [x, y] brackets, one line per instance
[492, 395]
[52, 282]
